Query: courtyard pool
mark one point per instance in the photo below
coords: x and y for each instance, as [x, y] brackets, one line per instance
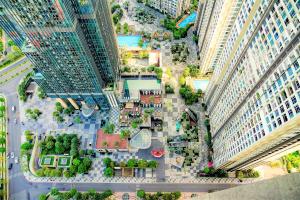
[188, 20]
[130, 41]
[200, 84]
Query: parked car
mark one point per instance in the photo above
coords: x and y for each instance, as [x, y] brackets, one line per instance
[10, 166]
[7, 156]
[13, 108]
[15, 121]
[16, 160]
[12, 154]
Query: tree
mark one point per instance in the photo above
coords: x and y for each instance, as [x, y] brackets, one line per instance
[109, 128]
[81, 169]
[50, 145]
[87, 162]
[141, 193]
[77, 120]
[2, 108]
[73, 192]
[152, 164]
[43, 197]
[181, 80]
[118, 27]
[141, 43]
[54, 191]
[74, 152]
[26, 146]
[59, 148]
[76, 162]
[2, 140]
[107, 161]
[67, 174]
[186, 72]
[108, 172]
[142, 163]
[125, 133]
[125, 28]
[132, 163]
[40, 172]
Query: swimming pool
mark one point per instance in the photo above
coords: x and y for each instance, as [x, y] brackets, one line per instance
[189, 19]
[178, 125]
[129, 41]
[200, 84]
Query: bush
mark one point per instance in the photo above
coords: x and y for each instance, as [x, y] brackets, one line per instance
[108, 172]
[107, 161]
[152, 164]
[109, 128]
[131, 163]
[43, 197]
[169, 89]
[26, 146]
[141, 193]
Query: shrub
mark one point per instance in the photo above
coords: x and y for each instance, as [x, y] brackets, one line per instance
[108, 172]
[26, 146]
[141, 193]
[132, 163]
[107, 161]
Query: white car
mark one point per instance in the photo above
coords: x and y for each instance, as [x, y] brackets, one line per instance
[15, 121]
[13, 108]
[16, 160]
[12, 154]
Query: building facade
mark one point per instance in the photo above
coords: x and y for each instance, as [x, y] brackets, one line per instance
[253, 98]
[174, 8]
[71, 44]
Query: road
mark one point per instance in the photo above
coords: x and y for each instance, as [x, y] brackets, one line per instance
[21, 189]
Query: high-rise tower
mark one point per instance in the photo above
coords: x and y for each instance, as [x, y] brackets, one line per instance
[253, 98]
[70, 43]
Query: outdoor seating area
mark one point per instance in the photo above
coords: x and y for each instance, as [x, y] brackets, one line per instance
[110, 142]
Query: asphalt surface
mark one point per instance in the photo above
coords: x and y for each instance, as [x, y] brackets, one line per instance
[21, 189]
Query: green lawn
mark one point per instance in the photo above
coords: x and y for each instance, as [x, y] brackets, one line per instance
[48, 161]
[64, 161]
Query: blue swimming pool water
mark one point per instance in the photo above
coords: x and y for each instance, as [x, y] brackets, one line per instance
[178, 125]
[200, 84]
[190, 19]
[129, 41]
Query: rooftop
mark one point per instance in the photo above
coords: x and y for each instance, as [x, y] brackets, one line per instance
[133, 87]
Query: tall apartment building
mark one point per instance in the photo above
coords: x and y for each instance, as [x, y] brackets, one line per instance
[213, 25]
[253, 97]
[174, 8]
[71, 44]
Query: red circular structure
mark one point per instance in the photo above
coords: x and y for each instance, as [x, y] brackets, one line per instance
[157, 153]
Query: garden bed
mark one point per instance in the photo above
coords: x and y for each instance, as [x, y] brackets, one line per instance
[64, 161]
[48, 161]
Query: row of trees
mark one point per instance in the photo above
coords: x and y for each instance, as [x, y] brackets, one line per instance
[62, 144]
[159, 195]
[117, 13]
[131, 163]
[23, 86]
[74, 194]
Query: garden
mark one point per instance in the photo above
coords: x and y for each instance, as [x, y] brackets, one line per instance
[74, 194]
[126, 167]
[178, 33]
[185, 145]
[143, 16]
[12, 56]
[180, 52]
[62, 157]
[3, 162]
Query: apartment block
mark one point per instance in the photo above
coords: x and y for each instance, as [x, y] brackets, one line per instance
[71, 44]
[174, 8]
[253, 97]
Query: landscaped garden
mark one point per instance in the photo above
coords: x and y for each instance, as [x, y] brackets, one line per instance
[3, 161]
[60, 155]
[178, 33]
[143, 16]
[12, 56]
[180, 52]
[183, 144]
